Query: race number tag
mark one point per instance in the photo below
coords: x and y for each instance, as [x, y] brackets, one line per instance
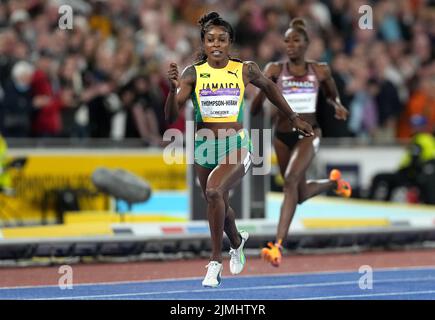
[221, 103]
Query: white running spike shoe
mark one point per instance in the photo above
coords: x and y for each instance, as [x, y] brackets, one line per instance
[238, 260]
[213, 277]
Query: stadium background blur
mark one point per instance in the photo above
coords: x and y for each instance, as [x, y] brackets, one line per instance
[102, 85]
[73, 101]
[114, 62]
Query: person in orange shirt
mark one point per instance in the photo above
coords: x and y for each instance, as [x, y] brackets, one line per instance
[422, 102]
[99, 20]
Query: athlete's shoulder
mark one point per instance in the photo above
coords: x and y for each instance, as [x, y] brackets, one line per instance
[251, 70]
[189, 73]
[320, 65]
[273, 69]
[189, 68]
[322, 69]
[275, 66]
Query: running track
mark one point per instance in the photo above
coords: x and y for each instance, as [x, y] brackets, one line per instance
[396, 275]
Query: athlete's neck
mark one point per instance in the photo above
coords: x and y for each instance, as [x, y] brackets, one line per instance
[218, 64]
[299, 61]
[297, 67]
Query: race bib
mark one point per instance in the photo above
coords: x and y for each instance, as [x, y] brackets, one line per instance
[221, 103]
[302, 102]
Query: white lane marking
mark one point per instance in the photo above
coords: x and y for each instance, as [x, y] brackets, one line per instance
[288, 286]
[416, 268]
[402, 293]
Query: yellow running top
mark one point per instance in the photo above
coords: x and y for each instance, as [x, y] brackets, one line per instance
[218, 94]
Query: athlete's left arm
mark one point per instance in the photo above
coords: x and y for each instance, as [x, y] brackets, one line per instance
[252, 74]
[329, 87]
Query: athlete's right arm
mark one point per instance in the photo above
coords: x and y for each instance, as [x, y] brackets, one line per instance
[271, 71]
[179, 90]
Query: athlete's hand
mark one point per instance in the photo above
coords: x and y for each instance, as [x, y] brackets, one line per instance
[302, 127]
[173, 76]
[341, 112]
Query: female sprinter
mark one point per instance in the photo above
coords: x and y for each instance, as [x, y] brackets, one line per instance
[299, 81]
[216, 85]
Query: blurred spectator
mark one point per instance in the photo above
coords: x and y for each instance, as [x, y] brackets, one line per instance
[47, 101]
[387, 99]
[386, 16]
[18, 20]
[147, 100]
[422, 102]
[332, 127]
[317, 11]
[156, 94]
[363, 109]
[272, 19]
[247, 30]
[269, 49]
[139, 119]
[7, 60]
[16, 104]
[100, 95]
[71, 83]
[124, 64]
[114, 40]
[99, 19]
[422, 49]
[417, 167]
[3, 16]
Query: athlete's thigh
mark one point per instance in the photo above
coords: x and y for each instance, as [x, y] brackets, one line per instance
[228, 173]
[282, 154]
[202, 173]
[301, 157]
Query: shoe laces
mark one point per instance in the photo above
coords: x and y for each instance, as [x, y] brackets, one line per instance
[213, 269]
[234, 254]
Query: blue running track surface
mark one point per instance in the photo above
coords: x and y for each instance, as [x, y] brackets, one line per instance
[402, 284]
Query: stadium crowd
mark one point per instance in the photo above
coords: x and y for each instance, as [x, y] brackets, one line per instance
[106, 78]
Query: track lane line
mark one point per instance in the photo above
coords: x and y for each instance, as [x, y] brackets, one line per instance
[268, 287]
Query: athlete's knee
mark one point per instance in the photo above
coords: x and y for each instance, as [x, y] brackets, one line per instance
[214, 194]
[291, 181]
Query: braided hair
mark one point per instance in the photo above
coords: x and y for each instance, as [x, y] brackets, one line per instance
[212, 19]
